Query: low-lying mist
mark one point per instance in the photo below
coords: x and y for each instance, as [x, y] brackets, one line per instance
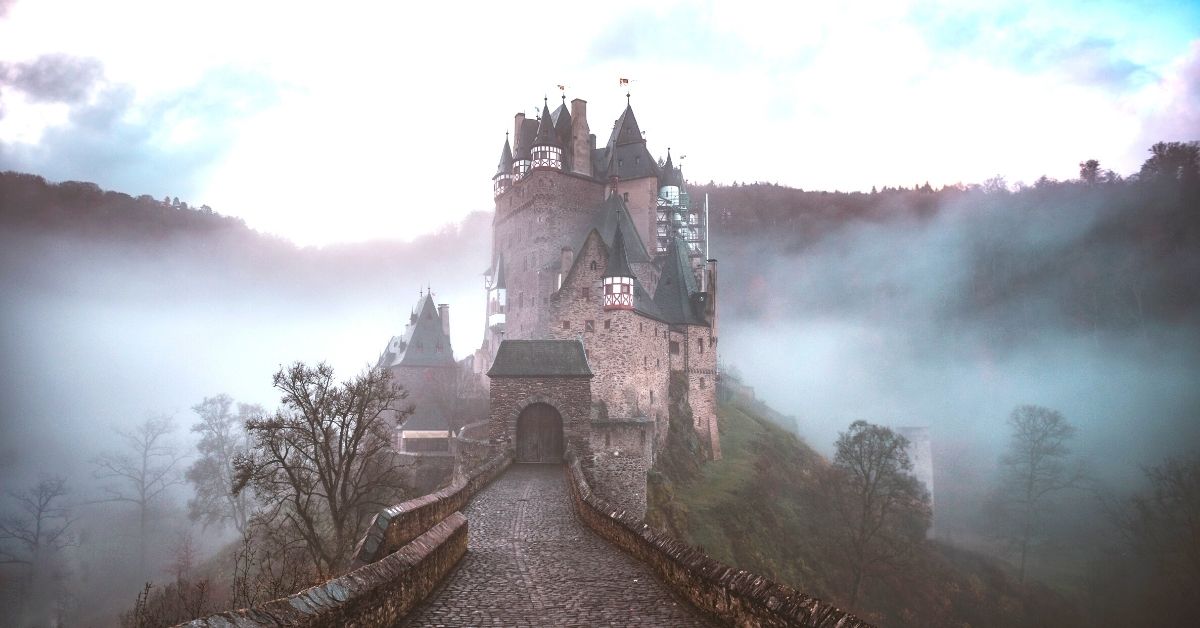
[949, 311]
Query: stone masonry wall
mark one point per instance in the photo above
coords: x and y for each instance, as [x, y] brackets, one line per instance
[697, 358]
[736, 597]
[374, 595]
[622, 454]
[627, 351]
[542, 213]
[571, 396]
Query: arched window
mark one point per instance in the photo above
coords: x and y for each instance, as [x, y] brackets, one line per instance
[592, 265]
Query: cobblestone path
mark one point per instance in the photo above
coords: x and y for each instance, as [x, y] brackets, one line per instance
[531, 563]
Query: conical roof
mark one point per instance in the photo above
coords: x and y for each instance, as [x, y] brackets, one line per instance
[562, 120]
[618, 261]
[546, 135]
[670, 174]
[626, 129]
[506, 160]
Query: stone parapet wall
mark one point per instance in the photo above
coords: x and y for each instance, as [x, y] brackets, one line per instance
[733, 596]
[378, 594]
[395, 526]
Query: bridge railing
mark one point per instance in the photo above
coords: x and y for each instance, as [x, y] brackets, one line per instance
[734, 596]
[406, 551]
[395, 526]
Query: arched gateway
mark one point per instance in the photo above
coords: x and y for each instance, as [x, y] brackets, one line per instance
[539, 434]
[541, 397]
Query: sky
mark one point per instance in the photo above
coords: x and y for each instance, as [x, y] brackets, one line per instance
[350, 121]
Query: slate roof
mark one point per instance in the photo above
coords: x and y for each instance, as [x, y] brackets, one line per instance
[420, 345]
[676, 286]
[618, 264]
[546, 135]
[669, 174]
[425, 417]
[506, 160]
[540, 358]
[626, 129]
[611, 213]
[562, 120]
[625, 155]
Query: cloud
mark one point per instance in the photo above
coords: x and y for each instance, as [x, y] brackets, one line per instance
[1177, 114]
[5, 5]
[128, 143]
[52, 77]
[678, 34]
[1030, 41]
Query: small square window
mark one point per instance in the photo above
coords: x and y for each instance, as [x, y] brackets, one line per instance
[585, 293]
[589, 325]
[566, 325]
[626, 197]
[674, 348]
[607, 325]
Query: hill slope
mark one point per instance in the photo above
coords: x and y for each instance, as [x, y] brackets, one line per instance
[759, 509]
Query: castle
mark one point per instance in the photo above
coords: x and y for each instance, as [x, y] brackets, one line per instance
[599, 272]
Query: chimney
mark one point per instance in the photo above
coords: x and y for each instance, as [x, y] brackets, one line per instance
[518, 126]
[581, 144]
[444, 314]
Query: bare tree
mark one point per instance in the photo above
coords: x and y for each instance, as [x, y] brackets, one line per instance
[1162, 524]
[881, 510]
[222, 439]
[1034, 468]
[322, 465]
[35, 537]
[142, 472]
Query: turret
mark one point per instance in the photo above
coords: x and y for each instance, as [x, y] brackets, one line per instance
[668, 183]
[502, 180]
[618, 277]
[547, 149]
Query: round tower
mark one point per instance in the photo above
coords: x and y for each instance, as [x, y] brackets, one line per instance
[547, 149]
[618, 277]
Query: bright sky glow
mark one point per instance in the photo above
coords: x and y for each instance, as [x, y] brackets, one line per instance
[350, 121]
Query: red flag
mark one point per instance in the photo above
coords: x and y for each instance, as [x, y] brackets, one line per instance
[562, 87]
[624, 81]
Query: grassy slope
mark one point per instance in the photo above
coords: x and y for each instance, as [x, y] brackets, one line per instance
[757, 509]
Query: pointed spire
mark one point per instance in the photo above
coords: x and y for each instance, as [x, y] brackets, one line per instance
[668, 166]
[618, 260]
[506, 159]
[545, 133]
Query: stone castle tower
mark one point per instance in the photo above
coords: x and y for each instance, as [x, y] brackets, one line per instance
[597, 243]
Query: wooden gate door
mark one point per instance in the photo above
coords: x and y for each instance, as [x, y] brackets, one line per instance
[539, 434]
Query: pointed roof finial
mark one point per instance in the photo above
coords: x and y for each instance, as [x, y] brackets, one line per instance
[626, 98]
